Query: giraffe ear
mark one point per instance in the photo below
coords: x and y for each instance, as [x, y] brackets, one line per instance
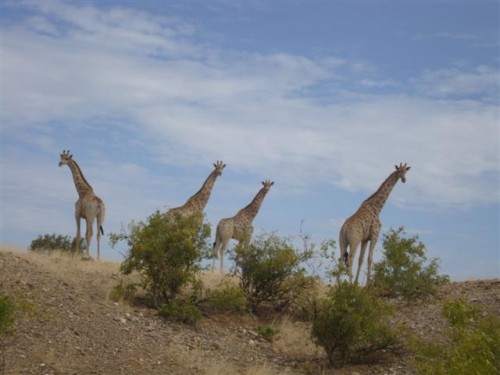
[408, 168]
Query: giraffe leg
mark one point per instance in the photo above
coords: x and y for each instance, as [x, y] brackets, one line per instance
[222, 251]
[88, 235]
[373, 242]
[370, 259]
[78, 235]
[361, 259]
[350, 258]
[217, 245]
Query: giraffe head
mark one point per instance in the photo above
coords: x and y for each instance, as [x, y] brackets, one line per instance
[219, 166]
[65, 158]
[267, 185]
[401, 171]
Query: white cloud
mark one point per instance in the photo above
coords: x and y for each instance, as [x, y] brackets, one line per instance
[372, 83]
[481, 81]
[192, 102]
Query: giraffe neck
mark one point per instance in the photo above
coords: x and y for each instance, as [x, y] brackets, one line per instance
[81, 184]
[377, 200]
[253, 207]
[198, 201]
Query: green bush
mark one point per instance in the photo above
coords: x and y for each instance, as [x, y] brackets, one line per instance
[166, 253]
[472, 345]
[7, 307]
[50, 242]
[405, 270]
[6, 314]
[123, 292]
[270, 270]
[349, 323]
[228, 298]
[268, 333]
[182, 311]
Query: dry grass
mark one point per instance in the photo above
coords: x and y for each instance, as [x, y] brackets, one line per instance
[294, 339]
[101, 275]
[254, 370]
[64, 263]
[214, 280]
[104, 274]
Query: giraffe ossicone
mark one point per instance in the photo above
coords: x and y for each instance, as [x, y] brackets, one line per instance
[239, 227]
[364, 225]
[88, 206]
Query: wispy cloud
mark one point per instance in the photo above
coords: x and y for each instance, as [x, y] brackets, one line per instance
[456, 35]
[482, 81]
[156, 79]
[373, 83]
[447, 35]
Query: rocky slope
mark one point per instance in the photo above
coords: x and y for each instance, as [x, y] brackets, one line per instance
[68, 325]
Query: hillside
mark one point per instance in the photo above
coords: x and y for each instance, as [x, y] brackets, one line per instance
[68, 325]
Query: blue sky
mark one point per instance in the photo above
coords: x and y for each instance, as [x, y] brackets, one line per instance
[324, 98]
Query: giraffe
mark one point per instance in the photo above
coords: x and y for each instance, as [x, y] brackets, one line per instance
[364, 225]
[88, 206]
[238, 227]
[199, 200]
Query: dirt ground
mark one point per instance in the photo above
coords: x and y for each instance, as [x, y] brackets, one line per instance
[68, 325]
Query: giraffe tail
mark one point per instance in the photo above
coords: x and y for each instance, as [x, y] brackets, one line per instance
[344, 254]
[102, 230]
[215, 254]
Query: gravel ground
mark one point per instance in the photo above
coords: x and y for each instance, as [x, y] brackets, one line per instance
[67, 325]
